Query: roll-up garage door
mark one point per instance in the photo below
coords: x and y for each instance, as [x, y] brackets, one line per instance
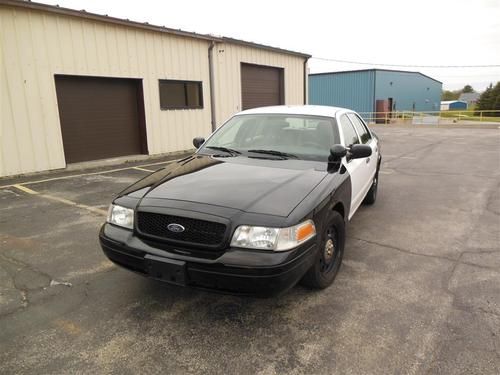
[100, 117]
[261, 86]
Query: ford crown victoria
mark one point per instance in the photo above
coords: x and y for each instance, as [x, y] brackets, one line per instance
[261, 205]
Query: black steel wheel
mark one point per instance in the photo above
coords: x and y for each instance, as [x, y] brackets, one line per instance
[329, 257]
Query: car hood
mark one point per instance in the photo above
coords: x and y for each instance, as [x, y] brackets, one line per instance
[272, 187]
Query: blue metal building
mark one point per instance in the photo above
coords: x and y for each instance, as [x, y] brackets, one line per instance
[361, 89]
[453, 104]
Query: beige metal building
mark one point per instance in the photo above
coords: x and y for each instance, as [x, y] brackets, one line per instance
[77, 86]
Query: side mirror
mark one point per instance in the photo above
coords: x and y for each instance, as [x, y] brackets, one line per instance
[360, 151]
[337, 152]
[198, 141]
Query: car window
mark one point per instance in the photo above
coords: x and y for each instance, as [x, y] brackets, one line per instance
[350, 135]
[363, 132]
[307, 137]
[228, 136]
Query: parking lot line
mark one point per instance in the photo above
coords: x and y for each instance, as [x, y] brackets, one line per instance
[139, 167]
[142, 169]
[61, 200]
[24, 189]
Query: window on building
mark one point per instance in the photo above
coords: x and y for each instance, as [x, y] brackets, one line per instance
[363, 132]
[180, 94]
[350, 135]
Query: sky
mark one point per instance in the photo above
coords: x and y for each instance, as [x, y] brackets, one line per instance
[409, 33]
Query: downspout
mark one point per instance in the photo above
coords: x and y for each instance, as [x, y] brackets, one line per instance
[211, 82]
[306, 77]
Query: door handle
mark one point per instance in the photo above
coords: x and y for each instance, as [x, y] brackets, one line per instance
[367, 160]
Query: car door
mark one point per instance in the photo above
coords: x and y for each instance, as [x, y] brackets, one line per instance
[370, 167]
[355, 167]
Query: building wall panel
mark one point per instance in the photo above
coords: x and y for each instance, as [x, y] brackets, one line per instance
[36, 45]
[353, 90]
[227, 66]
[359, 90]
[409, 90]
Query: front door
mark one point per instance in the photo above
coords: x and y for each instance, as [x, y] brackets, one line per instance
[355, 167]
[370, 167]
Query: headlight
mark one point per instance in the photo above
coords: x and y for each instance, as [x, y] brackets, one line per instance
[121, 216]
[276, 239]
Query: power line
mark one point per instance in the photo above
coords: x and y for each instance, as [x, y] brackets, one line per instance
[406, 66]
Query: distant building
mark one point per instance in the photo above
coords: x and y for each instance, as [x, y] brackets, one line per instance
[469, 97]
[449, 105]
[376, 90]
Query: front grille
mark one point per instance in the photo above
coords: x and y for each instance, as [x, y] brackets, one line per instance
[196, 231]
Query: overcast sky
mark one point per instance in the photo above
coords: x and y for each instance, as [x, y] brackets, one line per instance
[417, 32]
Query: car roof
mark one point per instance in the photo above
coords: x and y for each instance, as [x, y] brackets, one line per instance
[311, 110]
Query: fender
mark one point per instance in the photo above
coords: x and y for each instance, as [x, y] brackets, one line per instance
[334, 190]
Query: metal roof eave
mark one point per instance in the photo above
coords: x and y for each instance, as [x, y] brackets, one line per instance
[103, 18]
[374, 70]
[263, 46]
[146, 26]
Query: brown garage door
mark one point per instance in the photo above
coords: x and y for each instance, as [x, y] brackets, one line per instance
[261, 86]
[100, 117]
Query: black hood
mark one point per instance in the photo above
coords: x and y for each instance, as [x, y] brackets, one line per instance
[273, 187]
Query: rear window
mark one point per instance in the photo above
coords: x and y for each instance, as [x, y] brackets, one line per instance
[350, 135]
[363, 132]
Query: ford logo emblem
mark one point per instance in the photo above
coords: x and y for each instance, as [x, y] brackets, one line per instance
[176, 228]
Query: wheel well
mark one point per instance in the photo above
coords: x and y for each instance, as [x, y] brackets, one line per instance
[339, 207]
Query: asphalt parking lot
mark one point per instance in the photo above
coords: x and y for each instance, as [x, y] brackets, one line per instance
[419, 290]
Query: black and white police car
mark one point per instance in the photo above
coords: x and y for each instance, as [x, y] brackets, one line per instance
[260, 206]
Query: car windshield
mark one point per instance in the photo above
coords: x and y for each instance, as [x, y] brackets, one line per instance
[275, 136]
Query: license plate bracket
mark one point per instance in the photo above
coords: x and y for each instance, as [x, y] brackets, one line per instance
[168, 270]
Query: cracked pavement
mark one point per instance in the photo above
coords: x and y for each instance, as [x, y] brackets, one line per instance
[418, 293]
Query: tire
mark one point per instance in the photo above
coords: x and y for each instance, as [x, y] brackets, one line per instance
[371, 196]
[328, 260]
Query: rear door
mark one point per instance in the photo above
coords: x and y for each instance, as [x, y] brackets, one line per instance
[355, 167]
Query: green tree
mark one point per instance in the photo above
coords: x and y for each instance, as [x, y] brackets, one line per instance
[450, 95]
[490, 100]
[484, 101]
[467, 89]
[496, 100]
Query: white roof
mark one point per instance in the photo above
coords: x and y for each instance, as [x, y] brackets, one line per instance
[452, 101]
[313, 110]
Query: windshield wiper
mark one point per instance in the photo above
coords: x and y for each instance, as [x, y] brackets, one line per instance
[230, 151]
[275, 153]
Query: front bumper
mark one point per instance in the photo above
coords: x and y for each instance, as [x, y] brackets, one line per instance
[235, 271]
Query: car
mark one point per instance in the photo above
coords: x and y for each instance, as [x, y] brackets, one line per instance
[262, 204]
